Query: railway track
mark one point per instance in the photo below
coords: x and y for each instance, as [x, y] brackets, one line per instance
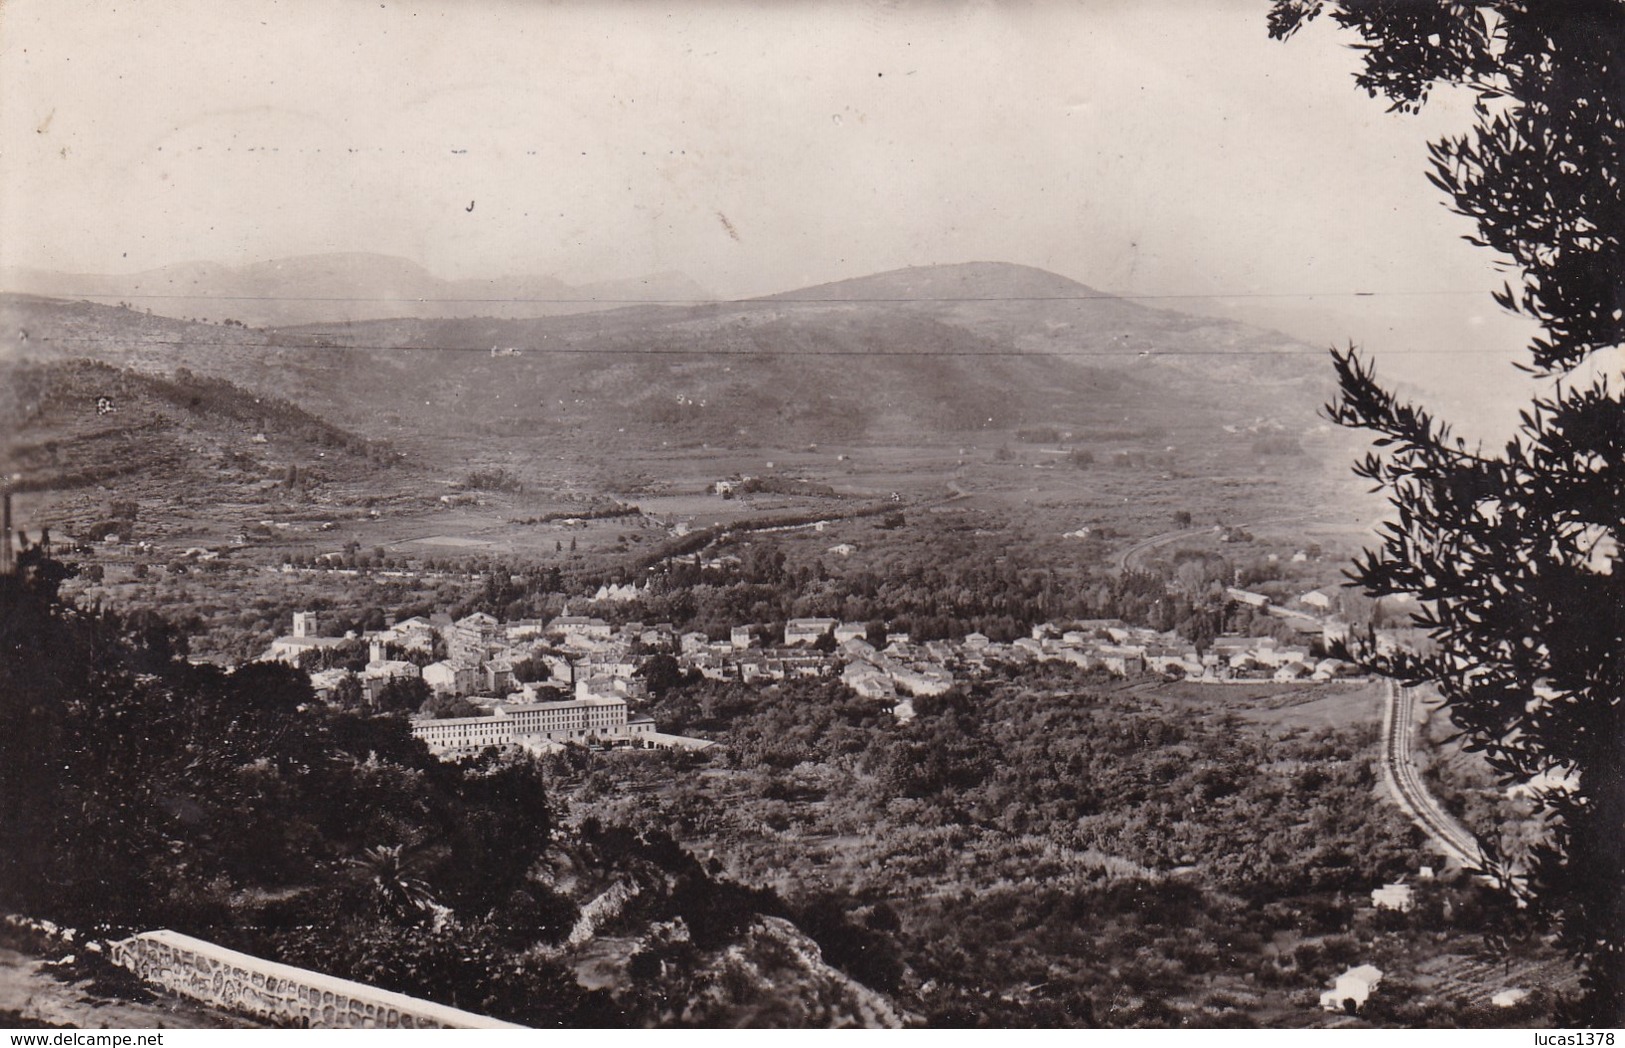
[1405, 784]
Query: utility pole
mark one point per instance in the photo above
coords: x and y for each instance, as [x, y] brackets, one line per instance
[6, 558]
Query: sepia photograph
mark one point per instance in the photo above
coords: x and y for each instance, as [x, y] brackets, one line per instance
[812, 514]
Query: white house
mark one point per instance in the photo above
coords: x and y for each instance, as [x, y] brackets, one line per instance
[1393, 897]
[288, 649]
[1327, 669]
[850, 631]
[524, 629]
[1120, 660]
[1241, 596]
[868, 680]
[448, 678]
[389, 669]
[806, 631]
[325, 682]
[580, 628]
[922, 680]
[1354, 986]
[498, 675]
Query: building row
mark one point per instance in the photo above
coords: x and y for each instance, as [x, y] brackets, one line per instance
[536, 726]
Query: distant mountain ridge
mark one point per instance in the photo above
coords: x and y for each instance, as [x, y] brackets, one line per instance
[962, 281]
[341, 287]
[910, 356]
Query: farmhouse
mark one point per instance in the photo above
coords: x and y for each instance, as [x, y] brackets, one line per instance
[1393, 897]
[1353, 988]
[1316, 599]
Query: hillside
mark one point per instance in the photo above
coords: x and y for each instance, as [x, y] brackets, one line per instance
[1035, 311]
[46, 329]
[98, 436]
[947, 355]
[349, 286]
[917, 354]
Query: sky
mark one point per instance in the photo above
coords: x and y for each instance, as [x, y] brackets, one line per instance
[1151, 148]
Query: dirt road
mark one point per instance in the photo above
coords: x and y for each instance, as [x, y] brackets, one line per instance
[32, 995]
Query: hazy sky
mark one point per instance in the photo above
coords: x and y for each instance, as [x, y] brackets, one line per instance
[1144, 148]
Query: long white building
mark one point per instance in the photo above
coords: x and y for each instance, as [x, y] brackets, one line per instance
[575, 720]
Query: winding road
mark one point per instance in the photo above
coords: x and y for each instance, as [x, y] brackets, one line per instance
[1126, 558]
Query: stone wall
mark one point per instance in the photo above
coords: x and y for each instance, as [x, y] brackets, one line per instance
[280, 993]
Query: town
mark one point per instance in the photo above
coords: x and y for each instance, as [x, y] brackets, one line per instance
[538, 686]
[964, 516]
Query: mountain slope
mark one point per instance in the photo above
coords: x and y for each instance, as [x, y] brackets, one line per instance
[918, 356]
[89, 431]
[928, 352]
[1036, 311]
[340, 287]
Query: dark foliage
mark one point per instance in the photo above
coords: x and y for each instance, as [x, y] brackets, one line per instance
[140, 791]
[1515, 555]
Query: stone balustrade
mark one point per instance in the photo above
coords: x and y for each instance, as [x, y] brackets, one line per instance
[279, 993]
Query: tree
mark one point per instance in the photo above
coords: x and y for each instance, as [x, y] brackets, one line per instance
[268, 688]
[444, 707]
[1515, 555]
[347, 693]
[397, 889]
[662, 673]
[403, 695]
